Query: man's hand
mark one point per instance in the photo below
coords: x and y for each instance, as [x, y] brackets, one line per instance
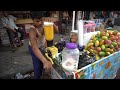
[47, 65]
[7, 27]
[14, 30]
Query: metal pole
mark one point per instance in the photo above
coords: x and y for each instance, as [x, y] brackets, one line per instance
[83, 15]
[73, 21]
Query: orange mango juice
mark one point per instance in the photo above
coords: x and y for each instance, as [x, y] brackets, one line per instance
[49, 31]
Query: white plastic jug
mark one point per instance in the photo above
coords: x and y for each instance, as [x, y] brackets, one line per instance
[70, 57]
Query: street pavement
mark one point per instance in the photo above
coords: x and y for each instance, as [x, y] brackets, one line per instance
[15, 62]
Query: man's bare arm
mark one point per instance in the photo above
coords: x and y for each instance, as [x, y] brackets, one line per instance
[8, 28]
[34, 45]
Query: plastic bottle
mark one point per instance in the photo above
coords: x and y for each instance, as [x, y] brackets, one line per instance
[70, 57]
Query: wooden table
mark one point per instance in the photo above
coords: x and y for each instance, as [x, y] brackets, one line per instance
[25, 24]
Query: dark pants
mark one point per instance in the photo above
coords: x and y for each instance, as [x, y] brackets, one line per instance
[37, 64]
[11, 35]
[21, 32]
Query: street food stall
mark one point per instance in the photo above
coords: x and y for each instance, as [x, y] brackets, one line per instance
[99, 53]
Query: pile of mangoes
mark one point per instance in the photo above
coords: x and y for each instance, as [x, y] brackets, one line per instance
[104, 43]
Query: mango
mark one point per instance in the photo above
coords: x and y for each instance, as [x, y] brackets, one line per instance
[90, 44]
[97, 57]
[114, 43]
[102, 54]
[102, 33]
[91, 50]
[102, 57]
[116, 37]
[95, 51]
[111, 51]
[107, 34]
[108, 42]
[106, 45]
[118, 40]
[91, 41]
[99, 39]
[93, 37]
[96, 43]
[118, 44]
[91, 47]
[110, 33]
[115, 32]
[102, 47]
[98, 49]
[114, 49]
[98, 33]
[112, 37]
[101, 42]
[104, 37]
[108, 53]
[118, 49]
[111, 46]
[107, 49]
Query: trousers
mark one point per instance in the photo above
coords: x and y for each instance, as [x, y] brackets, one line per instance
[37, 64]
[11, 35]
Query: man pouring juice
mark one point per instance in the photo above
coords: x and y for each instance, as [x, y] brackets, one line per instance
[37, 35]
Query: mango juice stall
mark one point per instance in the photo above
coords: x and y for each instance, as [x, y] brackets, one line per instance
[99, 58]
[104, 67]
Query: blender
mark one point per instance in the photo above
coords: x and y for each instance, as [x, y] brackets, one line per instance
[50, 50]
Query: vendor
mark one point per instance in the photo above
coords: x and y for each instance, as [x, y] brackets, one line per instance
[36, 35]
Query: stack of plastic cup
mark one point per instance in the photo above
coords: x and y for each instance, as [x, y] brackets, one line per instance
[89, 26]
[85, 29]
[93, 27]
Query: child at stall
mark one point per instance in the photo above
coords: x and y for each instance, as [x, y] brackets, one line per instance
[74, 38]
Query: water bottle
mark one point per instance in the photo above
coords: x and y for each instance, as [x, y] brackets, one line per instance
[70, 57]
